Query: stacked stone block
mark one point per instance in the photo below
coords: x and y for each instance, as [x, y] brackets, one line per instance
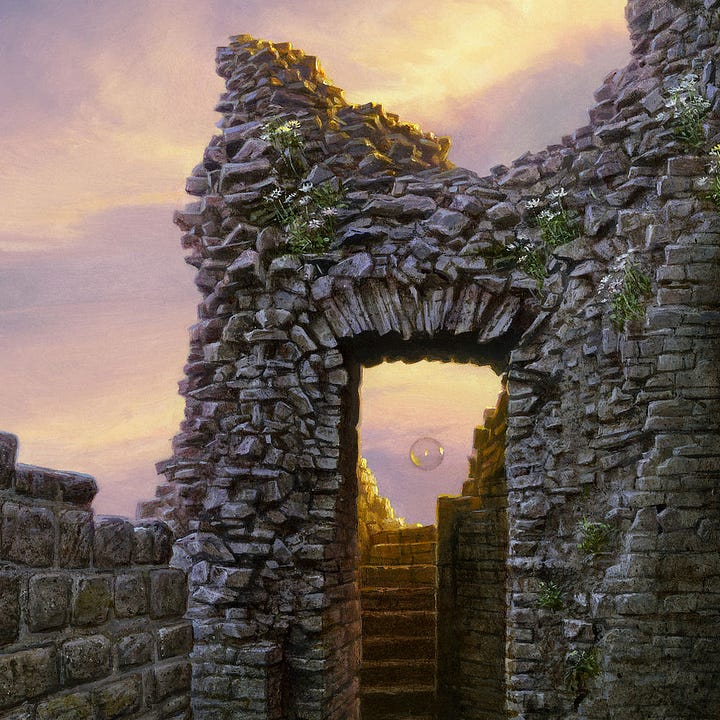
[91, 615]
[399, 620]
[375, 513]
[471, 594]
[609, 425]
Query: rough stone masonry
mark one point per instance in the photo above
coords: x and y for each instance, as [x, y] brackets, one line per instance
[615, 427]
[607, 426]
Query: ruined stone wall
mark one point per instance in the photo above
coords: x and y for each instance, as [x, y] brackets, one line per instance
[91, 616]
[375, 513]
[608, 425]
[471, 593]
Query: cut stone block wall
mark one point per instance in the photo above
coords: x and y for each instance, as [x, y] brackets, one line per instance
[91, 615]
[618, 427]
[472, 580]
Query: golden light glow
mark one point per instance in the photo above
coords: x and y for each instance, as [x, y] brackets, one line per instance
[113, 111]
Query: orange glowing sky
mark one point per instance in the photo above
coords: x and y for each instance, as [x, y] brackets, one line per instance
[106, 108]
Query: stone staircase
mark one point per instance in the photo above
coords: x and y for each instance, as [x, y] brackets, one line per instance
[397, 677]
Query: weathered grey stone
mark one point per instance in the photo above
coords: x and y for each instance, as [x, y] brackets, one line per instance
[175, 640]
[48, 602]
[135, 649]
[447, 223]
[86, 658]
[244, 171]
[92, 599]
[76, 538]
[168, 593]
[171, 680]
[26, 675]
[28, 535]
[130, 595]
[120, 698]
[504, 215]
[74, 706]
[9, 607]
[406, 207]
[113, 542]
[357, 266]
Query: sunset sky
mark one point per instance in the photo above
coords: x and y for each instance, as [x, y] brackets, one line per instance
[107, 106]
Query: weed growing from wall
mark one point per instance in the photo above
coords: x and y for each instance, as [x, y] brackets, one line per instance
[550, 596]
[554, 226]
[713, 191]
[581, 666]
[594, 536]
[687, 109]
[625, 289]
[307, 212]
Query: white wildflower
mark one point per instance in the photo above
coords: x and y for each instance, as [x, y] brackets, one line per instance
[329, 211]
[531, 204]
[306, 187]
[548, 214]
[315, 224]
[305, 200]
[560, 192]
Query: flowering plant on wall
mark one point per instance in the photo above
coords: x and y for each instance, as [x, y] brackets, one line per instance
[307, 215]
[551, 225]
[711, 184]
[557, 225]
[306, 211]
[687, 109]
[625, 288]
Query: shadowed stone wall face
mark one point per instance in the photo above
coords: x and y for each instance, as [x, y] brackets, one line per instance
[619, 428]
[91, 624]
[471, 593]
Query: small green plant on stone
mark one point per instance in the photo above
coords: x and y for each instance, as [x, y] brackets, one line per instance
[625, 288]
[556, 224]
[550, 596]
[306, 212]
[308, 215]
[581, 666]
[526, 255]
[713, 191]
[688, 110]
[629, 302]
[594, 536]
[287, 140]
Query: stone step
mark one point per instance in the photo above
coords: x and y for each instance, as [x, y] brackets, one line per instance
[411, 553]
[398, 648]
[387, 576]
[426, 533]
[406, 624]
[403, 701]
[392, 673]
[398, 598]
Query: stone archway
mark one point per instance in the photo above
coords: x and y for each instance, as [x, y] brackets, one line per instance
[258, 486]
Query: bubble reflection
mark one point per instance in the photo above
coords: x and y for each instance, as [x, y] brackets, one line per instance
[426, 453]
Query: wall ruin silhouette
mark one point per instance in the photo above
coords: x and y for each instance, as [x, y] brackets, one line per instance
[617, 427]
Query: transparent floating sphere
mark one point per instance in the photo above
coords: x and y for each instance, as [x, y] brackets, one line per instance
[426, 453]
